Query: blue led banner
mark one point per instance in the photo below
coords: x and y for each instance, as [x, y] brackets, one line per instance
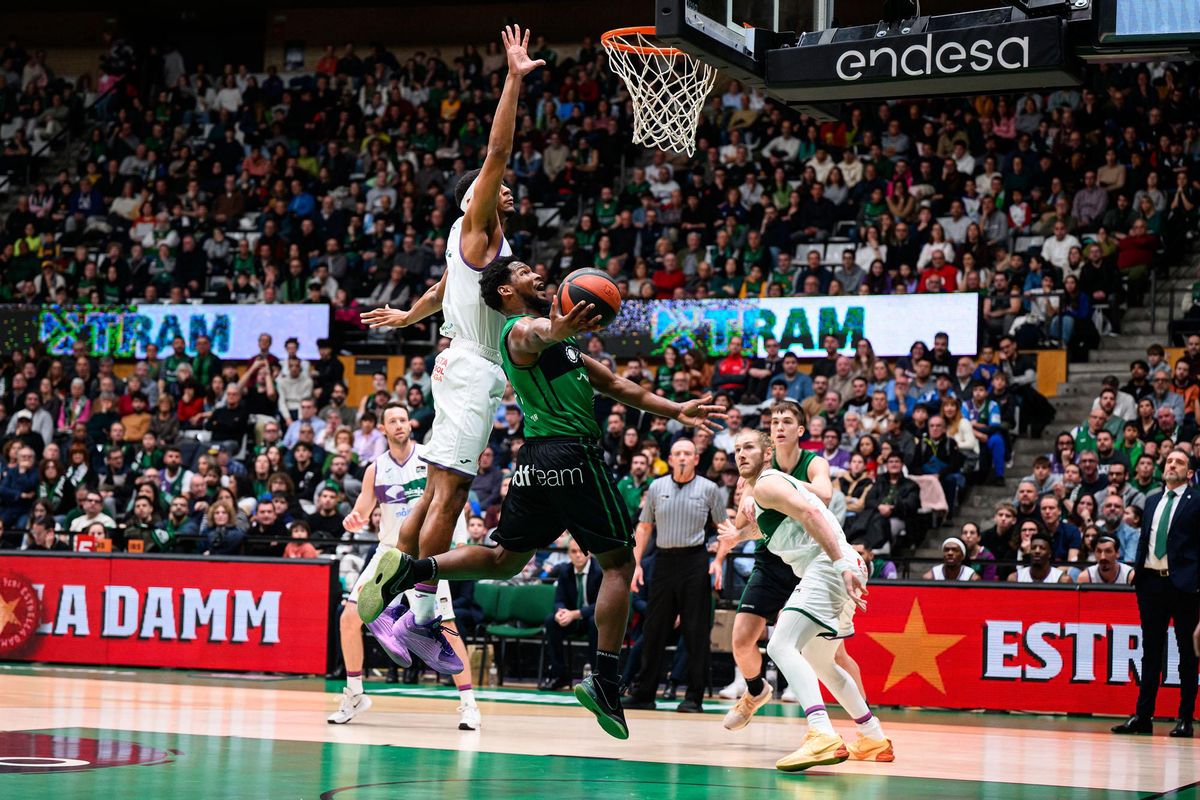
[891, 322]
[124, 332]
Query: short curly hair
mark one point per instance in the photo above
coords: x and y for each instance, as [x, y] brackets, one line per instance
[496, 274]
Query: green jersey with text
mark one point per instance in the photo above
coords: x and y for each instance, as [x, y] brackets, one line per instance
[555, 393]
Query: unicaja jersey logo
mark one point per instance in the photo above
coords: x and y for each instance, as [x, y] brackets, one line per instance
[527, 475]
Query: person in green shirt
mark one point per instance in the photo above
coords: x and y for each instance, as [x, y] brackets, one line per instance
[559, 481]
[634, 485]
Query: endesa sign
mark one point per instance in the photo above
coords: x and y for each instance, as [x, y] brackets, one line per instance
[162, 611]
[1020, 649]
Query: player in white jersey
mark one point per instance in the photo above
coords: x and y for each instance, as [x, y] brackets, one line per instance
[396, 481]
[795, 525]
[1108, 567]
[467, 379]
[1040, 570]
[952, 568]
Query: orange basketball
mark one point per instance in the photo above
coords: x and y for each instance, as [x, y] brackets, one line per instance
[590, 286]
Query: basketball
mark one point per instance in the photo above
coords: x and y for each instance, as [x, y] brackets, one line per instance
[590, 286]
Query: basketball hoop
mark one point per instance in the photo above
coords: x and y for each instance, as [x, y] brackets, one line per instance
[667, 85]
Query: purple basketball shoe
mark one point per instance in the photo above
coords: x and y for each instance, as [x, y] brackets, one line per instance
[428, 642]
[382, 629]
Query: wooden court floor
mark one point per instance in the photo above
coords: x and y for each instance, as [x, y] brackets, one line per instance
[68, 734]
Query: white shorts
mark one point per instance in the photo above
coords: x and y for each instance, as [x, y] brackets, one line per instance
[821, 596]
[445, 605]
[467, 390]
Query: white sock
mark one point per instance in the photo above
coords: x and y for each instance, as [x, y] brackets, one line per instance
[818, 720]
[871, 728]
[423, 605]
[354, 683]
[467, 696]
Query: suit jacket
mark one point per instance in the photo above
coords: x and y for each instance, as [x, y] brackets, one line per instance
[566, 593]
[1183, 539]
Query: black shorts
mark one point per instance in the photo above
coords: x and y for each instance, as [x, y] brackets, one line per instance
[562, 484]
[770, 585]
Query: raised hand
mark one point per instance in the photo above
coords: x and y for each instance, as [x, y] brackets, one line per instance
[576, 321]
[386, 317]
[516, 47]
[700, 413]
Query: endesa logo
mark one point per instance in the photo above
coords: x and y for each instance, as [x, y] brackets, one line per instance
[930, 56]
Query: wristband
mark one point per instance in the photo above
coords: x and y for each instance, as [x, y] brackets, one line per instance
[843, 564]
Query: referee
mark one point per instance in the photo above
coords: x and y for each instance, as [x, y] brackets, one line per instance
[679, 504]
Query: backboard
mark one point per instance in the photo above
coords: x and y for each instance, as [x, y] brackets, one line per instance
[792, 50]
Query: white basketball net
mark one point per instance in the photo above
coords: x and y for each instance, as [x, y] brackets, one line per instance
[668, 88]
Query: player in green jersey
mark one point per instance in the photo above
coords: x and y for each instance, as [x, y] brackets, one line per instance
[560, 480]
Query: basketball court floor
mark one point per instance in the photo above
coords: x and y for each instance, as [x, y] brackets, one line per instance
[113, 733]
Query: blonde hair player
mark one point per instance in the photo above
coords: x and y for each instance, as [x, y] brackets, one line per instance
[396, 481]
[772, 581]
[795, 525]
[467, 379]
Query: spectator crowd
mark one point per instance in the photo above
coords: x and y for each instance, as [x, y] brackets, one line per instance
[333, 187]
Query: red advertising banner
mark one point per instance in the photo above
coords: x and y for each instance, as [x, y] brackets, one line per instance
[160, 611]
[1006, 648]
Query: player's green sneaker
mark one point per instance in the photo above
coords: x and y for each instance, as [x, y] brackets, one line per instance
[393, 576]
[608, 711]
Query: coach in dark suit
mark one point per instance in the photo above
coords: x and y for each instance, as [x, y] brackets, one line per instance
[1168, 590]
[577, 583]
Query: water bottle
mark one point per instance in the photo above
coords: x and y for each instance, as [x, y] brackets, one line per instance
[493, 675]
[587, 671]
[772, 676]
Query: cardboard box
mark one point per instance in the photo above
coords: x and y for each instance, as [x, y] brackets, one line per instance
[721, 638]
[479, 664]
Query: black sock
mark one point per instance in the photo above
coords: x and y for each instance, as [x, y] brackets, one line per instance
[608, 666]
[424, 570]
[754, 686]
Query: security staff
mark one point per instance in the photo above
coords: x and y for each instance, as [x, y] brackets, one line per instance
[678, 505]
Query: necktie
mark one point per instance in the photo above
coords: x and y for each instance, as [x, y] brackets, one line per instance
[579, 591]
[1164, 522]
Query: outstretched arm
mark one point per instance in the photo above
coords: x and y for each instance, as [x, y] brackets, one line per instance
[694, 413]
[427, 305]
[529, 336]
[481, 213]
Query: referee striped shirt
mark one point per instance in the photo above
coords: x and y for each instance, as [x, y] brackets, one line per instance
[680, 510]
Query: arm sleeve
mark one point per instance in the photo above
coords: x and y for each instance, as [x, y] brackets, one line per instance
[647, 514]
[716, 504]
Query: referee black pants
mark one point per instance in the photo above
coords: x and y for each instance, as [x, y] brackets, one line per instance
[680, 587]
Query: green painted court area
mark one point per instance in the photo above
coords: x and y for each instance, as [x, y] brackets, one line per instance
[231, 767]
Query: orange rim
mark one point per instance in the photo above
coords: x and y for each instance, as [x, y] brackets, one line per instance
[613, 39]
